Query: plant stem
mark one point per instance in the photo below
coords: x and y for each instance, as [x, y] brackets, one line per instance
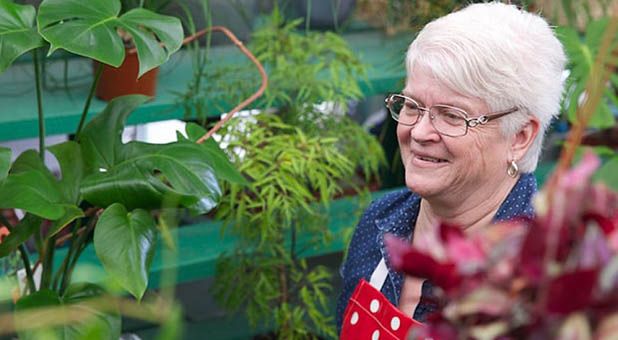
[201, 57]
[308, 16]
[283, 277]
[66, 279]
[37, 79]
[65, 263]
[293, 245]
[335, 7]
[48, 262]
[89, 99]
[24, 258]
[38, 242]
[80, 246]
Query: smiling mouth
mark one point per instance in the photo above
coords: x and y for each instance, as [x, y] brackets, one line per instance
[431, 159]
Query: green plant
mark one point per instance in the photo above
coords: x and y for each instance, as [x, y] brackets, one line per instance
[279, 220]
[298, 153]
[597, 50]
[109, 191]
[582, 54]
[304, 69]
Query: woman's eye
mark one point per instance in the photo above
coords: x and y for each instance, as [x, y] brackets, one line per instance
[449, 113]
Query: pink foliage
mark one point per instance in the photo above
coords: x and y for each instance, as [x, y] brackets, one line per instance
[556, 273]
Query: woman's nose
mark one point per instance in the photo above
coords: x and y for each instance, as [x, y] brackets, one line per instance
[424, 129]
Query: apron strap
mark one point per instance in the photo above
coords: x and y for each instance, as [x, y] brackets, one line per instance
[378, 277]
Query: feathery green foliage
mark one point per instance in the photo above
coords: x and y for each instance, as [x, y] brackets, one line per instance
[293, 177]
[303, 68]
[298, 154]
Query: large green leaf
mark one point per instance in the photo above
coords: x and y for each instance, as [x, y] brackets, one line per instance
[101, 138]
[31, 187]
[24, 229]
[88, 28]
[47, 305]
[140, 175]
[125, 244]
[69, 156]
[224, 169]
[185, 167]
[30, 160]
[167, 29]
[146, 173]
[17, 32]
[71, 213]
[5, 162]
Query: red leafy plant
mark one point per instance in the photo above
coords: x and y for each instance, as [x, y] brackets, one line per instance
[554, 276]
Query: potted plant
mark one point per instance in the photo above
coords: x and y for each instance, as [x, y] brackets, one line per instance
[299, 152]
[128, 77]
[108, 191]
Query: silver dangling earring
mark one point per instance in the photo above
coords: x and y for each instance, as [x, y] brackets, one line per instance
[512, 169]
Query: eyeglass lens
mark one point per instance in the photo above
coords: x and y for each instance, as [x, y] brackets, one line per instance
[447, 120]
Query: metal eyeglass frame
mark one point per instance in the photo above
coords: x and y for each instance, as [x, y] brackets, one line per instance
[470, 122]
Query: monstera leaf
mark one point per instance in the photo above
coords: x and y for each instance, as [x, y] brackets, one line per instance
[125, 244]
[17, 32]
[46, 305]
[69, 157]
[89, 28]
[224, 169]
[32, 187]
[141, 175]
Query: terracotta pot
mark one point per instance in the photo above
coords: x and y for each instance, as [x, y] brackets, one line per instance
[115, 82]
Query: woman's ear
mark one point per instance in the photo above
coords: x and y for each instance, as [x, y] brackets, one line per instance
[524, 137]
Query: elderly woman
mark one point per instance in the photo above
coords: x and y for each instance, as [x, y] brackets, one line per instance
[482, 86]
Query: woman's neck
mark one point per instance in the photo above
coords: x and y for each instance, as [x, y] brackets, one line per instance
[470, 212]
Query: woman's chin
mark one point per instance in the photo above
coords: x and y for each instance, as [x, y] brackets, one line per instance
[425, 186]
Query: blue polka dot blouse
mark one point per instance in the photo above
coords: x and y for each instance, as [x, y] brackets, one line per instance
[396, 213]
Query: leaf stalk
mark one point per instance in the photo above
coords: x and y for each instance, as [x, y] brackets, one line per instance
[82, 120]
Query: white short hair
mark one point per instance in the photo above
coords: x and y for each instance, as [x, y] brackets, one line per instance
[503, 55]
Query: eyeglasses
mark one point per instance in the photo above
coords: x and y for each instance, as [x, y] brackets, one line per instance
[447, 120]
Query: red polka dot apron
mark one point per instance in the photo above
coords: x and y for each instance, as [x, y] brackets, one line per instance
[369, 315]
